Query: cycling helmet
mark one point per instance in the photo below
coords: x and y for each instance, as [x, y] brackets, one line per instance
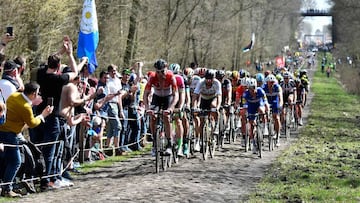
[228, 74]
[243, 81]
[260, 77]
[209, 74]
[267, 73]
[220, 73]
[279, 77]
[270, 78]
[160, 64]
[251, 82]
[303, 71]
[242, 73]
[175, 68]
[202, 72]
[286, 75]
[189, 72]
[235, 74]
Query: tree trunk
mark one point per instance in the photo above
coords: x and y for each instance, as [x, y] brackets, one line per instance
[131, 39]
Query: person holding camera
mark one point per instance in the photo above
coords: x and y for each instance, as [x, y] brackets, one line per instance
[130, 102]
[19, 115]
[50, 130]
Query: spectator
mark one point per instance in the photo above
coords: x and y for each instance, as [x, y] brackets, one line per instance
[130, 102]
[5, 39]
[328, 71]
[50, 130]
[19, 114]
[9, 82]
[114, 108]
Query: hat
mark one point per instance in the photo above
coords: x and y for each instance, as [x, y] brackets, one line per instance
[126, 72]
[10, 65]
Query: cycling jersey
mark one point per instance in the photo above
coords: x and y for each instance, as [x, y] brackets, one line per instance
[208, 92]
[235, 85]
[272, 95]
[240, 95]
[168, 85]
[225, 88]
[288, 88]
[300, 91]
[194, 81]
[253, 103]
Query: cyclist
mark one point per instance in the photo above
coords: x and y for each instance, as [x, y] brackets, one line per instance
[235, 82]
[260, 78]
[188, 77]
[300, 99]
[239, 104]
[256, 100]
[289, 92]
[165, 97]
[178, 115]
[275, 99]
[207, 96]
[226, 93]
[305, 82]
[194, 81]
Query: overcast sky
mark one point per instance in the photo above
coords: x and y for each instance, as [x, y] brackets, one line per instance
[319, 22]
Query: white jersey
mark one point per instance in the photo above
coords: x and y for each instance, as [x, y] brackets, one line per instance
[194, 81]
[208, 92]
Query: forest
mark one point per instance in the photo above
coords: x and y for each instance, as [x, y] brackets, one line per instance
[211, 33]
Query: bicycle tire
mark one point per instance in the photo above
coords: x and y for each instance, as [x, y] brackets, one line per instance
[287, 123]
[271, 134]
[247, 138]
[157, 150]
[259, 139]
[211, 142]
[204, 139]
[221, 135]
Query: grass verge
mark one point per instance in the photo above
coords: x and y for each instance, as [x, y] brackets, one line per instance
[89, 166]
[323, 165]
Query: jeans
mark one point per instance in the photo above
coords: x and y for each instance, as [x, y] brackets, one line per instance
[11, 159]
[50, 131]
[134, 126]
[114, 125]
[124, 140]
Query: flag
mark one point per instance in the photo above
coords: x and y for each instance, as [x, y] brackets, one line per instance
[89, 34]
[251, 45]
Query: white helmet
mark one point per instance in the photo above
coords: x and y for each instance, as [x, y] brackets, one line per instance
[270, 78]
[243, 81]
[175, 68]
[252, 83]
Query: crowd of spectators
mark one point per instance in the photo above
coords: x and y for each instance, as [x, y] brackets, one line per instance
[61, 105]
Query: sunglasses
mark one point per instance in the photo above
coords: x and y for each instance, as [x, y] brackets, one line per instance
[160, 71]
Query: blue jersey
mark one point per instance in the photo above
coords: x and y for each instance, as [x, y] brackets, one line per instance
[259, 99]
[275, 92]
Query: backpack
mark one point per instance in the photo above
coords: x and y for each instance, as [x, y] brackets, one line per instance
[3, 106]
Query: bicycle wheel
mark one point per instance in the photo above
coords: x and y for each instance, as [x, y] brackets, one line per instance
[232, 134]
[175, 157]
[157, 150]
[247, 137]
[271, 134]
[204, 139]
[287, 123]
[259, 139]
[221, 135]
[191, 140]
[211, 142]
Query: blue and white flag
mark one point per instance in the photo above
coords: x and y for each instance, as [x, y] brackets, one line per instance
[89, 34]
[251, 45]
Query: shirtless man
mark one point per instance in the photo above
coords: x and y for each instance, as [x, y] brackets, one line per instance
[70, 97]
